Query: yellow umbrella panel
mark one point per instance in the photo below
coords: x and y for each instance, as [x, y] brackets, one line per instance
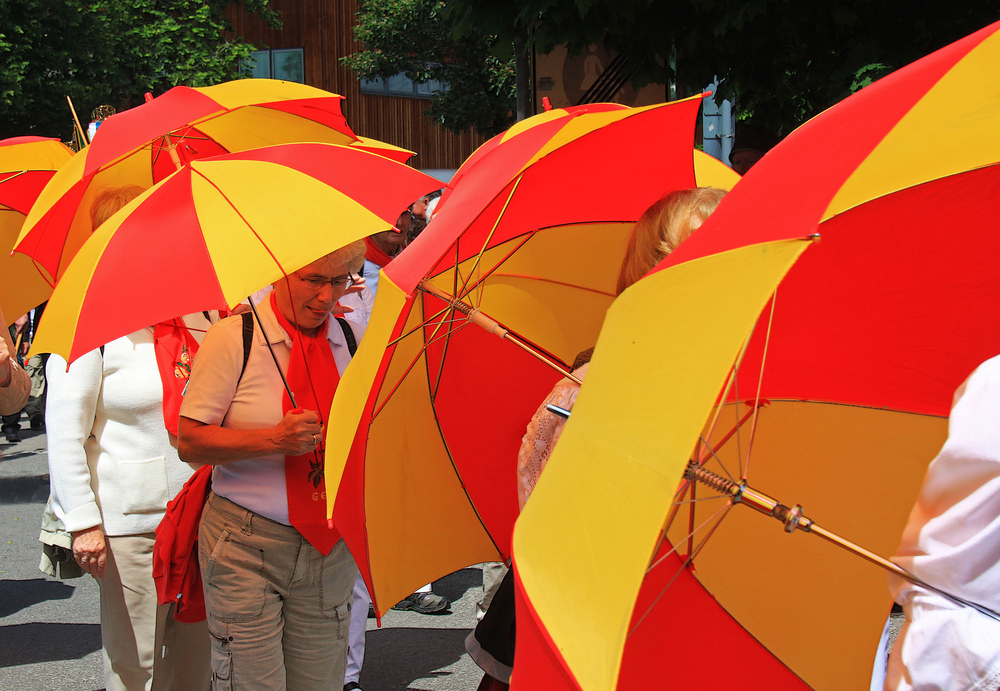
[26, 165]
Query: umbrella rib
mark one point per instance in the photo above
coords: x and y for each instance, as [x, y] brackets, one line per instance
[722, 442]
[420, 326]
[724, 510]
[493, 231]
[760, 381]
[689, 501]
[731, 383]
[446, 337]
[454, 467]
[480, 278]
[712, 452]
[490, 325]
[541, 279]
[416, 358]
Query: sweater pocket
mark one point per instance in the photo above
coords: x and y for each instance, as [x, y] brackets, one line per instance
[143, 486]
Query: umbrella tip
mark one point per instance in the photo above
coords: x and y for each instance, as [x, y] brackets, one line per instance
[546, 103]
[329, 523]
[149, 96]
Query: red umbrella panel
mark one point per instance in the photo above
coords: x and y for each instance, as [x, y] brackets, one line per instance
[834, 407]
[531, 236]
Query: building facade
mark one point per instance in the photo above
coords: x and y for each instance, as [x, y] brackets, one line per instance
[315, 35]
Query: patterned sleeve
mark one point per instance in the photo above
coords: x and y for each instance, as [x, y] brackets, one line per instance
[541, 437]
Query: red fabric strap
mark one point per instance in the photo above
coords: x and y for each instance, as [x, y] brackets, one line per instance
[175, 349]
[375, 254]
[313, 377]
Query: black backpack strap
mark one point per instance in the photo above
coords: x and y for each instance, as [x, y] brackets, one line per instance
[247, 342]
[352, 343]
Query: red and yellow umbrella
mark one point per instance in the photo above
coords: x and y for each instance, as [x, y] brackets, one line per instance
[836, 403]
[218, 230]
[145, 144]
[530, 236]
[26, 165]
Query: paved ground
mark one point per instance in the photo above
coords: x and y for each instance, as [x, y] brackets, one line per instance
[50, 637]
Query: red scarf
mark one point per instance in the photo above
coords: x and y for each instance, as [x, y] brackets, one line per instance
[313, 377]
[175, 348]
[375, 254]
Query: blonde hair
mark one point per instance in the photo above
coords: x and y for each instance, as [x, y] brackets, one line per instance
[663, 226]
[110, 200]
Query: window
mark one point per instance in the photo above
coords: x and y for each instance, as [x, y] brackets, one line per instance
[401, 85]
[287, 64]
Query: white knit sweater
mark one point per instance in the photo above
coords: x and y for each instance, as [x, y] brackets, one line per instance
[110, 459]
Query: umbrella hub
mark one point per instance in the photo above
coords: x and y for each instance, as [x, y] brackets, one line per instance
[741, 493]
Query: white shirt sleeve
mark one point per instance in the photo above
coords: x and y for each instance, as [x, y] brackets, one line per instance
[215, 374]
[70, 411]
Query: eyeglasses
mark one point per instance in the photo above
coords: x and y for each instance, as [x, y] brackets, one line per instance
[337, 282]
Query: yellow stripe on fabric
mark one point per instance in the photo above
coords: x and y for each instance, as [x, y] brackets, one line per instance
[46, 155]
[254, 127]
[711, 172]
[352, 391]
[651, 385]
[297, 218]
[534, 121]
[376, 144]
[21, 285]
[950, 130]
[588, 122]
[241, 92]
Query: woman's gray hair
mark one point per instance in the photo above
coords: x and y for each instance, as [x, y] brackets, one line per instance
[348, 254]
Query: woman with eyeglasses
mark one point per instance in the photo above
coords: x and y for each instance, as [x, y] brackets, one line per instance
[277, 579]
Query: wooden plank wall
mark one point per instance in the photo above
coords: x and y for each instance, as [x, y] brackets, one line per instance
[323, 28]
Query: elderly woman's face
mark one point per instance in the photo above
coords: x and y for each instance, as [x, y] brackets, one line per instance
[309, 294]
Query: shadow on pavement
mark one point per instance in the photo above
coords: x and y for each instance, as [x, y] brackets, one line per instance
[455, 585]
[395, 658]
[24, 490]
[18, 595]
[25, 644]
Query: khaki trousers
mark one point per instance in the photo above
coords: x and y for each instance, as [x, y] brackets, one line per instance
[144, 647]
[278, 610]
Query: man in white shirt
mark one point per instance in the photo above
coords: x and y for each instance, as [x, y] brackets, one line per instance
[952, 541]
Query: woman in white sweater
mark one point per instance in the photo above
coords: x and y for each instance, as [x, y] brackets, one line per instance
[113, 470]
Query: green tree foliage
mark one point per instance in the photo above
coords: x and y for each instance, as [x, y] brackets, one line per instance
[783, 61]
[415, 37]
[108, 52]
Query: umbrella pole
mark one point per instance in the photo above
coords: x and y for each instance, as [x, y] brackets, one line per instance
[76, 121]
[476, 317]
[267, 342]
[795, 520]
